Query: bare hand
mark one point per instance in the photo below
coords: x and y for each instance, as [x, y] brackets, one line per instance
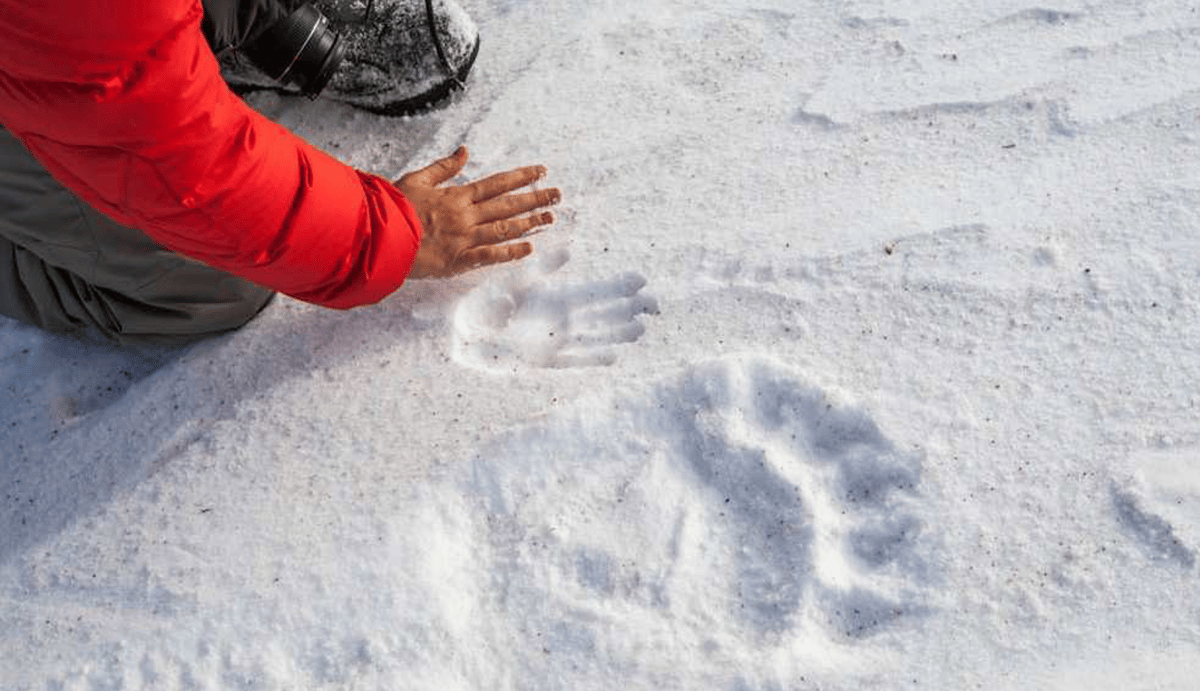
[469, 226]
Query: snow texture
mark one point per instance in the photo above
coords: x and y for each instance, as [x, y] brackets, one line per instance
[862, 356]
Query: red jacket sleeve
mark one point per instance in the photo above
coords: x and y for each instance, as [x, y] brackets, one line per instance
[124, 104]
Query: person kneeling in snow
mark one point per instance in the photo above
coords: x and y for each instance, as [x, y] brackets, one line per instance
[139, 196]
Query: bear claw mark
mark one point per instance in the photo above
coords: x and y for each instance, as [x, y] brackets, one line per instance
[1153, 532]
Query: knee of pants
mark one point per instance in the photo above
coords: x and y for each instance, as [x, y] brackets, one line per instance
[182, 321]
[57, 300]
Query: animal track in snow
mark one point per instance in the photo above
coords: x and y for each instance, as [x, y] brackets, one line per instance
[1041, 15]
[1151, 531]
[1159, 505]
[524, 319]
[736, 500]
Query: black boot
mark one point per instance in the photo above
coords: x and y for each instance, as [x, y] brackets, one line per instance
[387, 56]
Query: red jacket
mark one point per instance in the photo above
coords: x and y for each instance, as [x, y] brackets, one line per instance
[123, 102]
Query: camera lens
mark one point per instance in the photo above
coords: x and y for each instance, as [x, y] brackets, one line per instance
[299, 49]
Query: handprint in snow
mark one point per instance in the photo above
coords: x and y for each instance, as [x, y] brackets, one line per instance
[524, 319]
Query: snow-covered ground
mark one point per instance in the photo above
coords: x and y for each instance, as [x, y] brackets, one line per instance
[863, 356]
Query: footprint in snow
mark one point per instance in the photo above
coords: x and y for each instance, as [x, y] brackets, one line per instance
[525, 319]
[736, 500]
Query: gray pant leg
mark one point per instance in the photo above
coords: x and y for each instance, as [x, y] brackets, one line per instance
[230, 24]
[65, 267]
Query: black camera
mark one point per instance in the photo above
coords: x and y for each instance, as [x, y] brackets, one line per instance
[299, 49]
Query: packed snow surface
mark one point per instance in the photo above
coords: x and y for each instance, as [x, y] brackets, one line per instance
[863, 356]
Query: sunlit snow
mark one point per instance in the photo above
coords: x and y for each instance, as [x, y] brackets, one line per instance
[863, 355]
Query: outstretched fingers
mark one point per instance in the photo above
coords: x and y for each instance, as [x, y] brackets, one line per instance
[503, 183]
[477, 224]
[492, 254]
[503, 231]
[444, 169]
[510, 205]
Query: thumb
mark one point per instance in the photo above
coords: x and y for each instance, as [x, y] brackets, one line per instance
[443, 169]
